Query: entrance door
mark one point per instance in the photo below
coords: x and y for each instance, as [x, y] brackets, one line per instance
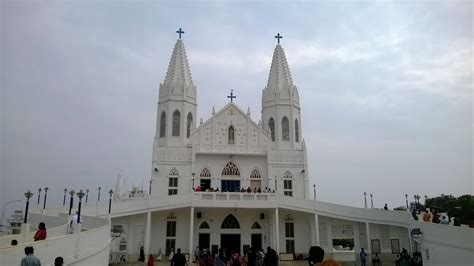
[230, 185]
[204, 241]
[230, 242]
[256, 241]
[205, 184]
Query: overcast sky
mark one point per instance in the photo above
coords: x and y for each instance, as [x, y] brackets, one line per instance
[385, 89]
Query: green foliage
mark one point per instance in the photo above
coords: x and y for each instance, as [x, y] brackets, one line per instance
[461, 207]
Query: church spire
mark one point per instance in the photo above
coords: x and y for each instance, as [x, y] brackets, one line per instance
[280, 75]
[178, 74]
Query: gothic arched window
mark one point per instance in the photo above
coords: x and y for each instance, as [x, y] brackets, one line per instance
[231, 169]
[297, 131]
[205, 173]
[189, 124]
[255, 174]
[230, 222]
[204, 225]
[231, 135]
[285, 129]
[173, 182]
[256, 225]
[271, 125]
[163, 124]
[176, 121]
[288, 184]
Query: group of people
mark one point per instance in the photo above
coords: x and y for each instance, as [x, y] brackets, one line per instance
[254, 257]
[242, 190]
[30, 259]
[434, 217]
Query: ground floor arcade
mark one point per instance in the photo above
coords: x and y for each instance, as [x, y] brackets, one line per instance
[289, 232]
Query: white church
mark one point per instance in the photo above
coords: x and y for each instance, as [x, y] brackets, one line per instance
[234, 183]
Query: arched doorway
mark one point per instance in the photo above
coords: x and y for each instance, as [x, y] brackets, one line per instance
[230, 180]
[230, 235]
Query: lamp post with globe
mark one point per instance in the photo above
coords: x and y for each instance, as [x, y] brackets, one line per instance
[71, 201]
[79, 194]
[110, 200]
[28, 195]
[45, 196]
[64, 197]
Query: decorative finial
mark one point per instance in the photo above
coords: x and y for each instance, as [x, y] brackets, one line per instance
[213, 110]
[278, 37]
[180, 31]
[231, 97]
[248, 111]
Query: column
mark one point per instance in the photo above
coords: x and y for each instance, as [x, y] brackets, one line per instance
[277, 232]
[147, 234]
[316, 228]
[410, 241]
[367, 230]
[191, 232]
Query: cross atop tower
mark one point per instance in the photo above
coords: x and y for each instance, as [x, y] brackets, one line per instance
[278, 37]
[232, 96]
[180, 31]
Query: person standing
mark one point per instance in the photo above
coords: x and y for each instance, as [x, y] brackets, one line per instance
[197, 254]
[178, 259]
[142, 255]
[220, 260]
[427, 216]
[385, 207]
[58, 261]
[435, 217]
[30, 259]
[363, 257]
[41, 232]
[444, 220]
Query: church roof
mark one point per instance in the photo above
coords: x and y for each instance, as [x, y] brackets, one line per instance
[280, 75]
[178, 73]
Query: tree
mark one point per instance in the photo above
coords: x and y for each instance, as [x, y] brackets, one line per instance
[462, 207]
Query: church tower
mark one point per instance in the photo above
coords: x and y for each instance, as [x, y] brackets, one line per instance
[176, 116]
[281, 115]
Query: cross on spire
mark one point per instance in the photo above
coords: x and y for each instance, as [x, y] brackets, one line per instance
[232, 96]
[278, 37]
[180, 31]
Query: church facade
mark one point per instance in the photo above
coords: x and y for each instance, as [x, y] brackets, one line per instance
[234, 183]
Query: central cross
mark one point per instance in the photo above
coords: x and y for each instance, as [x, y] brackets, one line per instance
[278, 37]
[180, 31]
[231, 96]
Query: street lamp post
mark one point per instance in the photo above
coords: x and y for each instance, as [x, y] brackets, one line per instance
[314, 191]
[406, 200]
[87, 195]
[276, 183]
[79, 194]
[71, 201]
[426, 198]
[110, 200]
[28, 195]
[39, 195]
[149, 189]
[372, 201]
[98, 195]
[193, 174]
[64, 198]
[45, 196]
[365, 200]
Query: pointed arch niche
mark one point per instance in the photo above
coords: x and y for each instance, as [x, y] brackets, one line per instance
[176, 123]
[204, 225]
[189, 124]
[205, 179]
[163, 125]
[230, 222]
[285, 129]
[255, 180]
[231, 135]
[271, 125]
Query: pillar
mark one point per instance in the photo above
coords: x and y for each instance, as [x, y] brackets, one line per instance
[369, 246]
[316, 228]
[277, 232]
[191, 232]
[147, 234]
[410, 241]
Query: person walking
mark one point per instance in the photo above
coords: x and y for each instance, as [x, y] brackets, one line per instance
[41, 232]
[30, 259]
[363, 257]
[178, 259]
